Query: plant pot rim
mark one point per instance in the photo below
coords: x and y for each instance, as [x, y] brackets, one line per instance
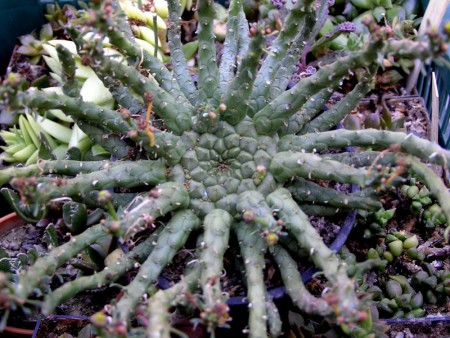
[9, 222]
[423, 320]
[18, 332]
[402, 97]
[49, 317]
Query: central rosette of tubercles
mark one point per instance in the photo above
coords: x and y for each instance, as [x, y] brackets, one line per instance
[219, 166]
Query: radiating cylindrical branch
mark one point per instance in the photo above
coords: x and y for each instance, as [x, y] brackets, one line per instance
[70, 106]
[106, 126]
[55, 167]
[228, 60]
[179, 64]
[182, 293]
[208, 72]
[307, 27]
[158, 305]
[431, 45]
[255, 210]
[146, 208]
[287, 165]
[342, 297]
[244, 35]
[364, 158]
[341, 138]
[312, 108]
[71, 86]
[278, 51]
[305, 191]
[252, 250]
[217, 225]
[295, 288]
[171, 239]
[115, 144]
[123, 175]
[274, 322]
[38, 275]
[239, 90]
[101, 278]
[278, 112]
[330, 118]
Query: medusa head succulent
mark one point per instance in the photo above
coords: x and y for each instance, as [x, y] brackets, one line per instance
[232, 154]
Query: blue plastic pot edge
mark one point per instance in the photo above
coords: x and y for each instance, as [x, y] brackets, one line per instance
[424, 320]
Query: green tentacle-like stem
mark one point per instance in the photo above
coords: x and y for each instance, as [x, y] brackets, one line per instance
[115, 144]
[208, 72]
[408, 143]
[255, 210]
[270, 118]
[122, 95]
[298, 49]
[71, 86]
[35, 275]
[322, 10]
[170, 240]
[96, 115]
[305, 191]
[123, 175]
[252, 250]
[144, 210]
[240, 88]
[279, 50]
[294, 284]
[274, 321]
[178, 61]
[312, 108]
[228, 61]
[216, 226]
[330, 118]
[105, 277]
[278, 112]
[320, 210]
[296, 222]
[56, 167]
[158, 305]
[364, 158]
[287, 165]
[244, 35]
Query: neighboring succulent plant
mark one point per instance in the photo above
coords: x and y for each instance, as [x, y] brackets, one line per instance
[374, 223]
[217, 161]
[31, 45]
[423, 205]
[58, 132]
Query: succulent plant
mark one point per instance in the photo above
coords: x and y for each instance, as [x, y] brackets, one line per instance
[56, 130]
[214, 161]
